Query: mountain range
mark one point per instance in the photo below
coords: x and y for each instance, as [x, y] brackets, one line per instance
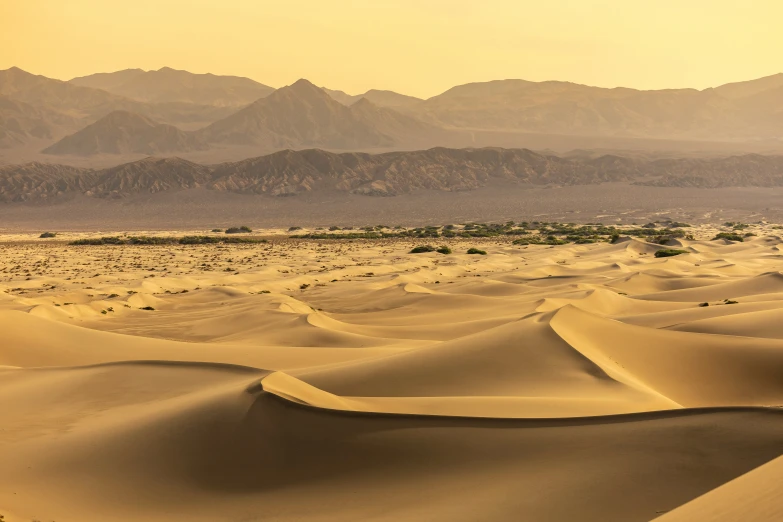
[291, 173]
[302, 115]
[123, 132]
[171, 85]
[171, 112]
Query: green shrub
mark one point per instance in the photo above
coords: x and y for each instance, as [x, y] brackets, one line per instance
[444, 250]
[239, 230]
[477, 251]
[98, 241]
[729, 236]
[660, 240]
[669, 252]
[421, 249]
[48, 235]
[231, 240]
[201, 240]
[151, 240]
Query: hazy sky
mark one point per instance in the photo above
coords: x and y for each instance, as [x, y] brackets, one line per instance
[418, 47]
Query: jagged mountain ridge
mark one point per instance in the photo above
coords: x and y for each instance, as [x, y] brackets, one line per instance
[41, 181]
[149, 175]
[289, 172]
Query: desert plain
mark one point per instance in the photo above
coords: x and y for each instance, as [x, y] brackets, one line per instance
[332, 380]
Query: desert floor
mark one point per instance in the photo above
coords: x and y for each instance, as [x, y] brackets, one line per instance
[351, 380]
[609, 203]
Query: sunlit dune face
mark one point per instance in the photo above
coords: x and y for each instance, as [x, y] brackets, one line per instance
[318, 379]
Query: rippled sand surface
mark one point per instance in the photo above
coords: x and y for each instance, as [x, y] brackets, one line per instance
[336, 381]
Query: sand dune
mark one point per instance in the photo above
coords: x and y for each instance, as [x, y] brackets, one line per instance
[754, 497]
[333, 381]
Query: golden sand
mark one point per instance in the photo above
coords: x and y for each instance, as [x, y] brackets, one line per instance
[351, 380]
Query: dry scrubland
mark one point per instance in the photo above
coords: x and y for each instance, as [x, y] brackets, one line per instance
[339, 380]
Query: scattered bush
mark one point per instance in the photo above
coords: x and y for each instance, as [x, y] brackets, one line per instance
[729, 236]
[147, 308]
[239, 230]
[549, 240]
[421, 249]
[429, 248]
[704, 304]
[148, 240]
[670, 252]
[46, 235]
[477, 251]
[203, 240]
[97, 241]
[661, 240]
[217, 230]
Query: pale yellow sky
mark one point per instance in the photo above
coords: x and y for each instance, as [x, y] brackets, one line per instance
[417, 47]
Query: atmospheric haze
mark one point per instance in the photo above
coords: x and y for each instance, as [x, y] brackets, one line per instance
[381, 261]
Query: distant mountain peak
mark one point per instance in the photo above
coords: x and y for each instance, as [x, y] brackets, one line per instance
[304, 86]
[16, 71]
[304, 82]
[299, 90]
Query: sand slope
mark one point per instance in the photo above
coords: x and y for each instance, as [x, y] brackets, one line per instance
[353, 381]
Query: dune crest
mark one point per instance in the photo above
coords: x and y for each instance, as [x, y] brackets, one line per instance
[338, 380]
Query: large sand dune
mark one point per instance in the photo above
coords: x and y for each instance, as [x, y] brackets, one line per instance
[350, 380]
